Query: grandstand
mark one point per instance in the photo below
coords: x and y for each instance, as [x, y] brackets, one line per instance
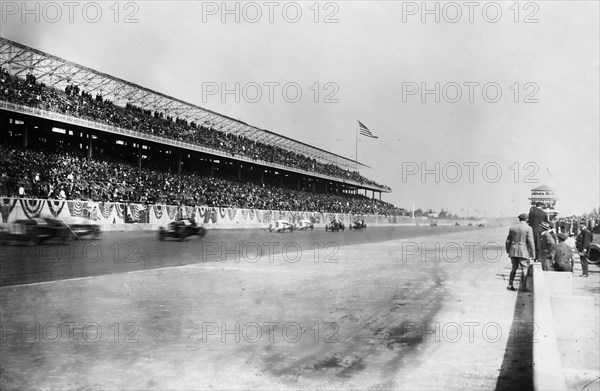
[68, 112]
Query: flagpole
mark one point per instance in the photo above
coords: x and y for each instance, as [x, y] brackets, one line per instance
[356, 153]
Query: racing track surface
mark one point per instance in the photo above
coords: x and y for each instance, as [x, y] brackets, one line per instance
[373, 319]
[119, 252]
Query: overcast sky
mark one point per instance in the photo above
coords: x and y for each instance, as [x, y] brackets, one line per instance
[376, 58]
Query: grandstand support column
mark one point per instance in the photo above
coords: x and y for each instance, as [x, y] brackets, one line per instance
[379, 196]
[262, 176]
[90, 146]
[212, 167]
[179, 161]
[26, 133]
[239, 172]
[139, 156]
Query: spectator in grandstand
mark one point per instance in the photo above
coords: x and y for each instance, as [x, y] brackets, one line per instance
[4, 185]
[78, 103]
[105, 180]
[61, 193]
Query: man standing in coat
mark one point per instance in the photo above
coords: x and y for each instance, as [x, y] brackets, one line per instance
[520, 249]
[536, 216]
[547, 243]
[584, 240]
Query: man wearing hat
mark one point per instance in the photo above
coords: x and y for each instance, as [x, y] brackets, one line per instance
[584, 240]
[520, 249]
[546, 246]
[536, 216]
[562, 255]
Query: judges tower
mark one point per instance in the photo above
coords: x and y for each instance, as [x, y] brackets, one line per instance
[546, 196]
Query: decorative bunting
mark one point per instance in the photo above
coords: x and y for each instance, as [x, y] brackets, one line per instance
[202, 214]
[266, 216]
[31, 207]
[190, 212]
[6, 207]
[75, 207]
[121, 210]
[210, 215]
[134, 210]
[158, 211]
[105, 209]
[172, 211]
[232, 212]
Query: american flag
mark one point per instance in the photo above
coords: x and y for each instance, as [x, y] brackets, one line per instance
[363, 130]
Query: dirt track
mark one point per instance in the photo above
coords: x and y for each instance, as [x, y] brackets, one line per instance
[358, 316]
[119, 252]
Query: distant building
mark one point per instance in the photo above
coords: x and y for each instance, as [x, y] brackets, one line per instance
[546, 196]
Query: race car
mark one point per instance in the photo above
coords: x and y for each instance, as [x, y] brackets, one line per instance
[594, 254]
[358, 224]
[35, 231]
[181, 229]
[335, 225]
[80, 227]
[281, 226]
[305, 225]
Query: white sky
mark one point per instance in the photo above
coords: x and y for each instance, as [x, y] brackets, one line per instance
[369, 54]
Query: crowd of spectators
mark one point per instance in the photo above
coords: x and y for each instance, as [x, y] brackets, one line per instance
[571, 225]
[78, 103]
[66, 175]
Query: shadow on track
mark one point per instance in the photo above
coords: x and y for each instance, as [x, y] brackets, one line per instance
[516, 372]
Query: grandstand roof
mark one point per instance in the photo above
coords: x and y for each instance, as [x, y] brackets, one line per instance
[543, 188]
[54, 71]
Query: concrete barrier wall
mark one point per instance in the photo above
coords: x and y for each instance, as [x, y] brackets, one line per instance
[561, 346]
[122, 216]
[547, 367]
